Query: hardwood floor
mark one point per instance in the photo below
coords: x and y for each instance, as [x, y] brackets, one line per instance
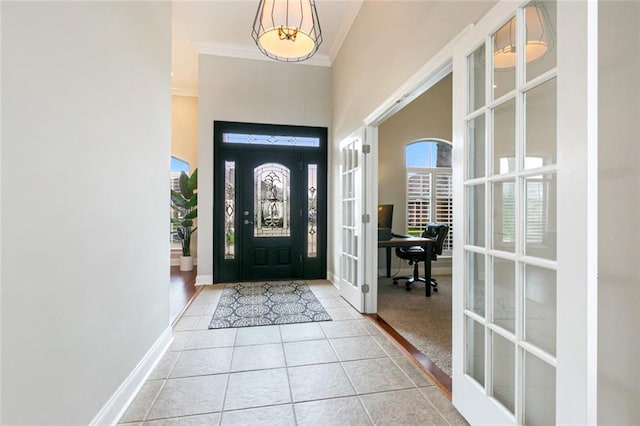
[439, 378]
[181, 290]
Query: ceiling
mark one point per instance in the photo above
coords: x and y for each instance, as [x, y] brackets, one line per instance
[223, 28]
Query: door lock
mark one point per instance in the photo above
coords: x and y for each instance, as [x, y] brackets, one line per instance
[248, 222]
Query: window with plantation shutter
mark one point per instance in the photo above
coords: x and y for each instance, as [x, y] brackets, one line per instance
[444, 204]
[429, 187]
[418, 201]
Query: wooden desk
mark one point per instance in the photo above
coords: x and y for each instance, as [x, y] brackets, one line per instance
[425, 243]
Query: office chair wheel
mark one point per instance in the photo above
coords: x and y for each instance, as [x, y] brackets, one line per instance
[395, 282]
[407, 288]
[435, 289]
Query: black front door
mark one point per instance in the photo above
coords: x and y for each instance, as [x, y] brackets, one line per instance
[270, 202]
[272, 225]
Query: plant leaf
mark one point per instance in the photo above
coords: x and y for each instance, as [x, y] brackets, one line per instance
[187, 223]
[184, 186]
[179, 200]
[192, 214]
[193, 180]
[193, 201]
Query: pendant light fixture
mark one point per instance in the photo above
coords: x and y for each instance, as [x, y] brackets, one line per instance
[287, 30]
[538, 38]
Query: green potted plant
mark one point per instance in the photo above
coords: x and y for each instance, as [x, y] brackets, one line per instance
[185, 212]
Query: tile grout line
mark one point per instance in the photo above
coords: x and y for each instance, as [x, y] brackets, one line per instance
[226, 388]
[434, 407]
[286, 371]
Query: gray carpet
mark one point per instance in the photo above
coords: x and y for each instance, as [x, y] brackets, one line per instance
[424, 321]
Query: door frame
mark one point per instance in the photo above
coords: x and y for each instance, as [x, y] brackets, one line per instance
[434, 70]
[229, 270]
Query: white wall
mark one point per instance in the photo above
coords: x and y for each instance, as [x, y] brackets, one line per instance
[388, 43]
[619, 210]
[246, 90]
[85, 159]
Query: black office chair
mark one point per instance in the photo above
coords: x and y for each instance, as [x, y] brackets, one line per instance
[415, 254]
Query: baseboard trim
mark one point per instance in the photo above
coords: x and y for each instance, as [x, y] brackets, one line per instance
[115, 407]
[333, 278]
[204, 279]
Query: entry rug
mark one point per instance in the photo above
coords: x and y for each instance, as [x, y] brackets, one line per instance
[253, 304]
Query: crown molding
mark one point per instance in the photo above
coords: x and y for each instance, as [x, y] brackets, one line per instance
[343, 31]
[250, 52]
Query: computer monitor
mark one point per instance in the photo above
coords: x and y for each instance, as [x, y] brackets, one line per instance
[385, 216]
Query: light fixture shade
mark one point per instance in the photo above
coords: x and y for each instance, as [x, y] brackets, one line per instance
[287, 30]
[538, 38]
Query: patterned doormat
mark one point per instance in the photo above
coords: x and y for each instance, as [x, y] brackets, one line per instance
[253, 304]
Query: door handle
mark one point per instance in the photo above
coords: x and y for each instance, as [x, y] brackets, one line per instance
[248, 222]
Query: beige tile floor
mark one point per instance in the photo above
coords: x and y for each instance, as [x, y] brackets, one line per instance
[340, 372]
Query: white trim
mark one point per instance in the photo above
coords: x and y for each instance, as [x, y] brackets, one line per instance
[204, 279]
[115, 407]
[333, 279]
[349, 18]
[244, 51]
[434, 70]
[592, 212]
[438, 66]
[370, 231]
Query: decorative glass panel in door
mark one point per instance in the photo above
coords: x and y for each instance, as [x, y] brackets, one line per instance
[272, 193]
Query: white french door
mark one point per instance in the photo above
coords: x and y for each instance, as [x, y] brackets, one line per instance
[351, 223]
[522, 322]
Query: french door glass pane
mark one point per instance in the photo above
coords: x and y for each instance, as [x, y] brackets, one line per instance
[504, 138]
[540, 104]
[504, 59]
[539, 392]
[476, 214]
[229, 209]
[540, 307]
[540, 20]
[475, 350]
[504, 215]
[475, 147]
[503, 367]
[475, 65]
[504, 294]
[540, 216]
[272, 201]
[475, 282]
